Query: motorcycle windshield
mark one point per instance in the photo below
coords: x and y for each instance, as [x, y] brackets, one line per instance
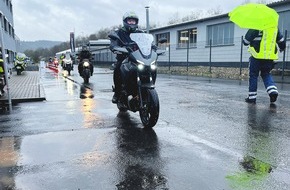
[144, 42]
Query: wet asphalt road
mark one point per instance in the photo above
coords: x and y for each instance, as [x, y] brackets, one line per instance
[206, 138]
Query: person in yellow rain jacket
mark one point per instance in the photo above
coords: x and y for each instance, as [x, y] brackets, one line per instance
[1, 66]
[1, 74]
[263, 48]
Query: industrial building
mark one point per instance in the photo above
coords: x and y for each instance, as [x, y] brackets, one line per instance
[9, 41]
[214, 40]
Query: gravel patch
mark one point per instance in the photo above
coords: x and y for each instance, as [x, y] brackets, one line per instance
[215, 72]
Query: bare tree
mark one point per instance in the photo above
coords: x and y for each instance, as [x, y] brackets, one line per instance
[245, 2]
[174, 19]
[103, 33]
[214, 11]
[194, 15]
[262, 1]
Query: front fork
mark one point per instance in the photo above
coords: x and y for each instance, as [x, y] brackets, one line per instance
[149, 85]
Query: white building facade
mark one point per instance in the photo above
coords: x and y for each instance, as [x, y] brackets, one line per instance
[10, 41]
[214, 40]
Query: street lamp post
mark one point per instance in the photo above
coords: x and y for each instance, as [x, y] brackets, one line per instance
[147, 19]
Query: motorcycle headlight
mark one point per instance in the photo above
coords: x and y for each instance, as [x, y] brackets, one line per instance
[86, 64]
[153, 65]
[140, 65]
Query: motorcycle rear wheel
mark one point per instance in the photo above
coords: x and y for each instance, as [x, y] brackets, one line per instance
[149, 114]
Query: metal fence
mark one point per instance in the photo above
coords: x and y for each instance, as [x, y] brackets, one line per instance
[205, 54]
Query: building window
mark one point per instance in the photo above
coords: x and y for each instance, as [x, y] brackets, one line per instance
[1, 21]
[187, 38]
[5, 25]
[284, 22]
[220, 34]
[9, 29]
[10, 7]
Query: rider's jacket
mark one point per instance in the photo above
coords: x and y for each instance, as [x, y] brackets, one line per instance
[125, 37]
[263, 43]
[85, 54]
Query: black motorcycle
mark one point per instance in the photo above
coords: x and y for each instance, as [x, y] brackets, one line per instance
[86, 71]
[138, 76]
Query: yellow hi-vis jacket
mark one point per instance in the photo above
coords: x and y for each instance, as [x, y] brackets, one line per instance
[1, 66]
[268, 47]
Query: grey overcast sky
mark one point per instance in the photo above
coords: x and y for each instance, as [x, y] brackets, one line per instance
[55, 19]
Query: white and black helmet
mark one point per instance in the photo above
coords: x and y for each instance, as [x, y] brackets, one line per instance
[130, 15]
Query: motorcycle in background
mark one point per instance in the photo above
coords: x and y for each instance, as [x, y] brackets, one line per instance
[19, 66]
[86, 71]
[68, 65]
[138, 75]
[55, 62]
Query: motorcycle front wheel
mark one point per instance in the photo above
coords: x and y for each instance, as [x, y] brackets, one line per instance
[149, 113]
[86, 80]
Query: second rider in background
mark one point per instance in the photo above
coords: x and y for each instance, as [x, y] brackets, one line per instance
[85, 54]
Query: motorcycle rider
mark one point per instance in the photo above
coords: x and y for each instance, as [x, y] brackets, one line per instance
[61, 58]
[20, 57]
[67, 58]
[85, 54]
[130, 25]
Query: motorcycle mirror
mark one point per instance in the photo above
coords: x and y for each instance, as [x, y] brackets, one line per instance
[114, 36]
[162, 40]
[160, 52]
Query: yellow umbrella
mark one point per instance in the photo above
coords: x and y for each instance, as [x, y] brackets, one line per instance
[254, 16]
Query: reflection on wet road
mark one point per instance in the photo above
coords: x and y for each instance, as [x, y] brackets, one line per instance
[206, 137]
[138, 159]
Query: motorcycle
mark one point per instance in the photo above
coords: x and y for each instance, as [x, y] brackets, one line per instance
[20, 66]
[86, 72]
[55, 63]
[68, 65]
[138, 76]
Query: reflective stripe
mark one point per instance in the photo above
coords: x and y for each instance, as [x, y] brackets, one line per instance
[273, 90]
[282, 39]
[252, 97]
[246, 41]
[252, 93]
[269, 87]
[257, 38]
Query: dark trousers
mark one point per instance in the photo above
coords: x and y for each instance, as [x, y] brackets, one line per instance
[262, 67]
[117, 77]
